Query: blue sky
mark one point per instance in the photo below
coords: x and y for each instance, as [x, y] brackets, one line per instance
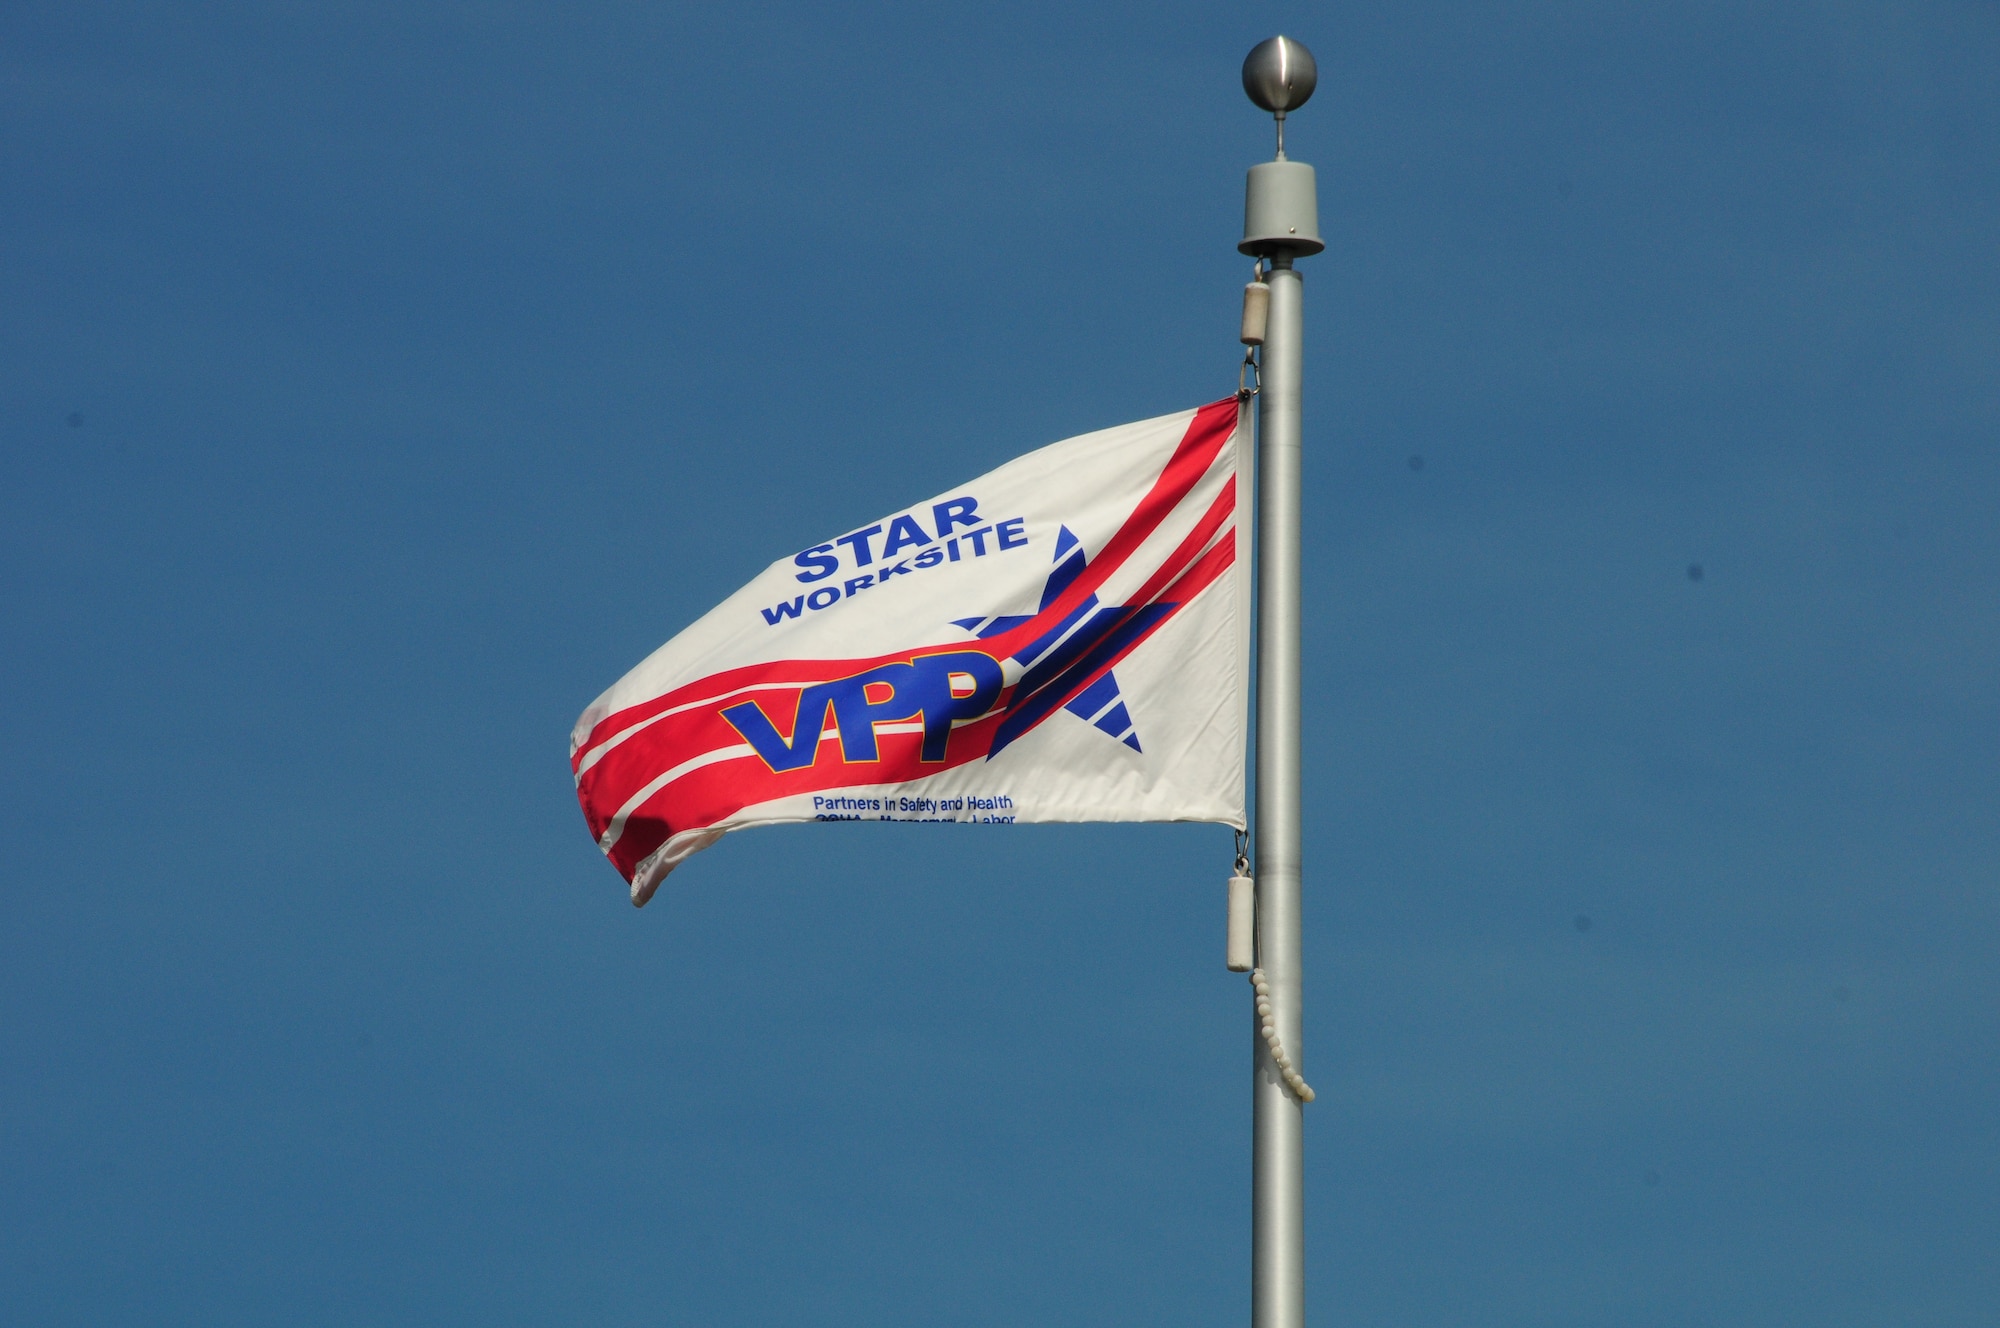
[380, 382]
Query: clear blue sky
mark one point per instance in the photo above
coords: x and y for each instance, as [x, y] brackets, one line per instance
[381, 381]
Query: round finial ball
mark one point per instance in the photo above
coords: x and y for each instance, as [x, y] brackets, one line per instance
[1279, 74]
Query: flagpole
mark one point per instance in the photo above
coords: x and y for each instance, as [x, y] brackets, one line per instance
[1281, 224]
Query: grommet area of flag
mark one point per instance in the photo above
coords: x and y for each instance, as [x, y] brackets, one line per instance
[1065, 638]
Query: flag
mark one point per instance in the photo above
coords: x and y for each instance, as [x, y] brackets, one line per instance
[1065, 638]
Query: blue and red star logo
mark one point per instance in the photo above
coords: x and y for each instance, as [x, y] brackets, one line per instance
[1069, 654]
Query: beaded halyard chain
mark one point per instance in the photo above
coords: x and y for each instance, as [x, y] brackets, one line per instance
[1293, 1078]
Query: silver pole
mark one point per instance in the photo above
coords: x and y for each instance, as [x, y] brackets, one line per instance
[1281, 223]
[1277, 1237]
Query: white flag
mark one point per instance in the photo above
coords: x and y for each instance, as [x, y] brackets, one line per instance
[1065, 638]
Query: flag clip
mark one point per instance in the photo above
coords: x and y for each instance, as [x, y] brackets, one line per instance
[1240, 955]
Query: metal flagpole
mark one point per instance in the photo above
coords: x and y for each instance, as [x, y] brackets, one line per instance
[1281, 223]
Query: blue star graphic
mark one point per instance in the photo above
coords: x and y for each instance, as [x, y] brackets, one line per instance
[1068, 653]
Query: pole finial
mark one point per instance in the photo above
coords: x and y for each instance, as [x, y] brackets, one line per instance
[1279, 75]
